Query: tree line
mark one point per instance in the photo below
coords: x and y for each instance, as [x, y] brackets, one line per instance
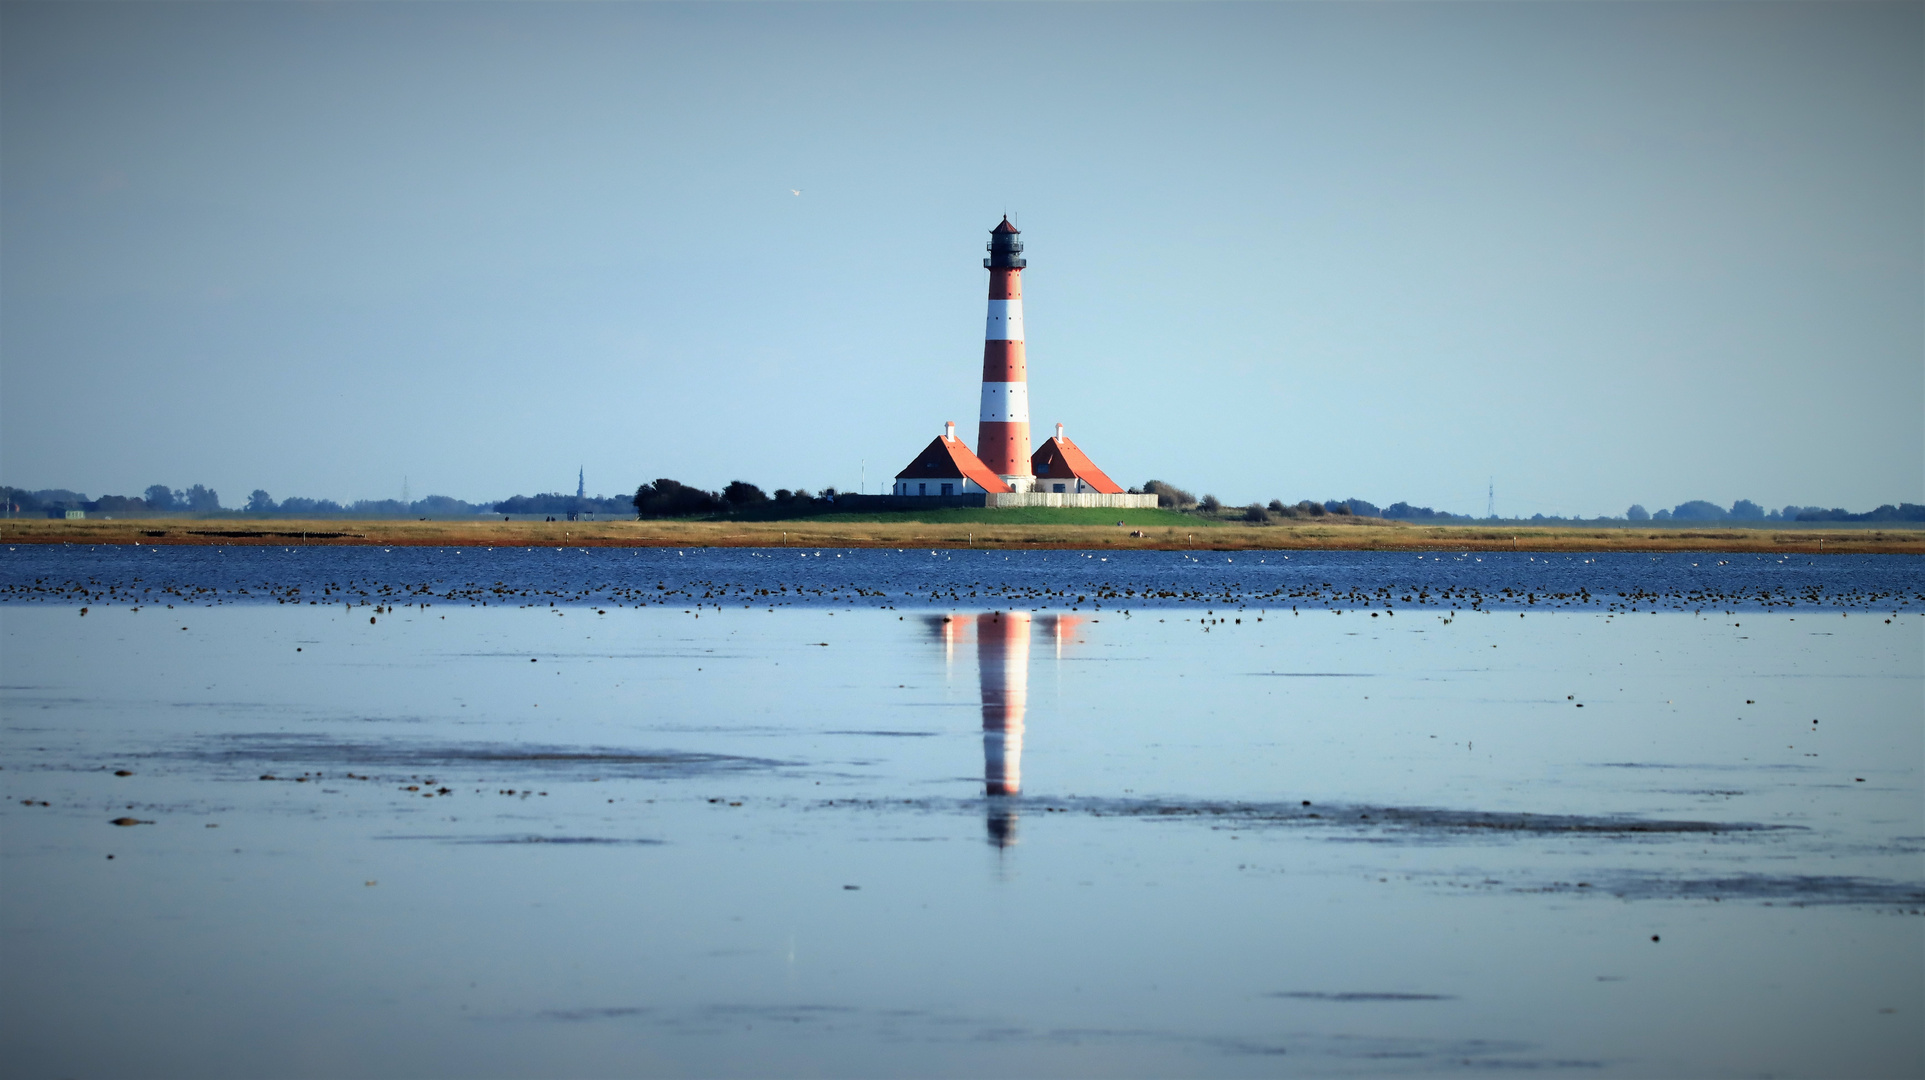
[1746, 510]
[199, 499]
[1171, 497]
[665, 498]
[195, 499]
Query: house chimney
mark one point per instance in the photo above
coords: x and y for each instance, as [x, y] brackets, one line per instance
[1059, 431]
[949, 431]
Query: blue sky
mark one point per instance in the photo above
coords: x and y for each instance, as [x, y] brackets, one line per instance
[1597, 253]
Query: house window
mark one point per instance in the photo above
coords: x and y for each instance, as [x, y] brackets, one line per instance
[922, 489]
[949, 489]
[1059, 487]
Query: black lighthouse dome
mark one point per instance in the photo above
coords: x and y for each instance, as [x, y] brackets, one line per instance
[1005, 248]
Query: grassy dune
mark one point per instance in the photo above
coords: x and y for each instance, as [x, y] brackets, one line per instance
[960, 528]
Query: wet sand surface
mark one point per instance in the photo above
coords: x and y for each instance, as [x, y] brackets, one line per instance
[1004, 530]
[859, 838]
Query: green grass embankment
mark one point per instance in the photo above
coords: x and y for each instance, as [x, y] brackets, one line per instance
[1027, 515]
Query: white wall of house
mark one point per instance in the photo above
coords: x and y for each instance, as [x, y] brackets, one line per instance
[1073, 486]
[957, 486]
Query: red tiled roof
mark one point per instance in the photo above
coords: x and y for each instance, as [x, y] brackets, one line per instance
[1005, 226]
[952, 459]
[1060, 459]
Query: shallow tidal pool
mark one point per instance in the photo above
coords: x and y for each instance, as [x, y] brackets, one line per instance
[575, 841]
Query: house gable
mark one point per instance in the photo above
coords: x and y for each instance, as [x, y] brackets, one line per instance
[951, 459]
[1061, 460]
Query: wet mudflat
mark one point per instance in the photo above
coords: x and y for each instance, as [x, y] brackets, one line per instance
[864, 839]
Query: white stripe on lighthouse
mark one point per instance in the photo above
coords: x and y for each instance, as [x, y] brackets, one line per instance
[1005, 402]
[1005, 321]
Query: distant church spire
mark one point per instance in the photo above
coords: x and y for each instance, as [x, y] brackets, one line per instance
[581, 483]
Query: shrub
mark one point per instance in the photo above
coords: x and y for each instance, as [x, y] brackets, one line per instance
[1638, 513]
[1256, 514]
[450, 506]
[672, 498]
[1403, 511]
[1698, 510]
[1209, 505]
[742, 493]
[1169, 496]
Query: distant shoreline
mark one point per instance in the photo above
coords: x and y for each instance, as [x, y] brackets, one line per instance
[1323, 535]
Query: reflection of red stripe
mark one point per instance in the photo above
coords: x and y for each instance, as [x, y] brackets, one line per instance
[1005, 284]
[1003, 446]
[1002, 655]
[1004, 361]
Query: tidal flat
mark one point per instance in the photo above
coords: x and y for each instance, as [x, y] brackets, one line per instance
[434, 812]
[1001, 530]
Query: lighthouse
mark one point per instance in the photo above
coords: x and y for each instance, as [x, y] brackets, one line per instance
[1002, 436]
[1003, 472]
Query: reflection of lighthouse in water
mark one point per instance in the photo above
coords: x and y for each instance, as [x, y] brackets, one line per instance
[1002, 650]
[1002, 653]
[1002, 660]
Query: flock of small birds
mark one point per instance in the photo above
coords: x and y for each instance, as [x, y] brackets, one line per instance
[384, 597]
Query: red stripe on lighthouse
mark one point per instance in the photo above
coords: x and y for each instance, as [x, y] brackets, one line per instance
[1003, 361]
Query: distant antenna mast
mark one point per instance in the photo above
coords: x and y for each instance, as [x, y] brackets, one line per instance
[405, 500]
[1490, 499]
[862, 485]
[581, 482]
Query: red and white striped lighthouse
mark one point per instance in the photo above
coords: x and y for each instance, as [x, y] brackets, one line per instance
[1002, 438]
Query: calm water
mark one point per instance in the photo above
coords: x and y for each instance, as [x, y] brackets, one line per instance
[858, 827]
[884, 578]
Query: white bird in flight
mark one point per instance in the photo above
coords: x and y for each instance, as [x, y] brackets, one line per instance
[793, 191]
